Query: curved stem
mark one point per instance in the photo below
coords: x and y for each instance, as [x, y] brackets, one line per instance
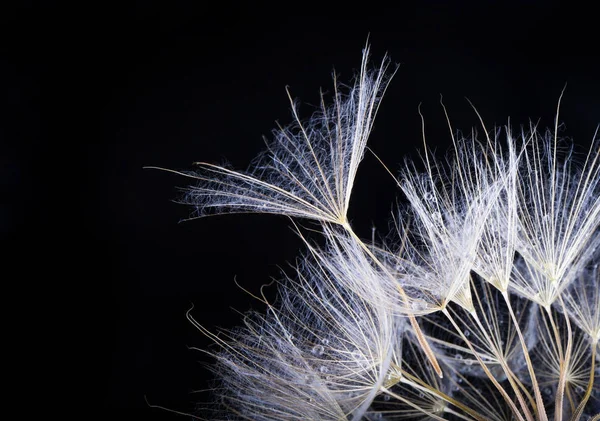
[589, 389]
[411, 317]
[515, 384]
[507, 398]
[564, 360]
[536, 389]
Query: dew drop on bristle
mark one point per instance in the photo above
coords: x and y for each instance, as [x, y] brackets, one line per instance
[318, 350]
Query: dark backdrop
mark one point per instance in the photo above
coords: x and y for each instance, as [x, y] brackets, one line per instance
[95, 94]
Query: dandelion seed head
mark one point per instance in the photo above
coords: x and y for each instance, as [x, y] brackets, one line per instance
[483, 305]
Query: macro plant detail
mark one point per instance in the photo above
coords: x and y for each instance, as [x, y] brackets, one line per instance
[482, 304]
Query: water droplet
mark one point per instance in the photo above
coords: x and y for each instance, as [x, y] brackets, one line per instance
[323, 369]
[467, 333]
[458, 357]
[386, 398]
[325, 341]
[318, 350]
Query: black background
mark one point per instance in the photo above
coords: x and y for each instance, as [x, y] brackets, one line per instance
[94, 94]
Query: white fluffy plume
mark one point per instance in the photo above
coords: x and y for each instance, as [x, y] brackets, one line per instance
[309, 167]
